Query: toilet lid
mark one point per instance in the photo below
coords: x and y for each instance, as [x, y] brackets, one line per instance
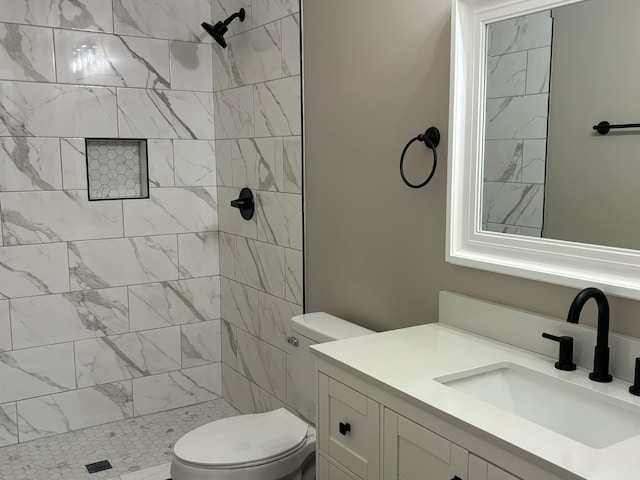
[242, 439]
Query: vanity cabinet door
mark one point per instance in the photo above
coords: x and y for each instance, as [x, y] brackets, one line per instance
[327, 470]
[411, 452]
[479, 469]
[349, 428]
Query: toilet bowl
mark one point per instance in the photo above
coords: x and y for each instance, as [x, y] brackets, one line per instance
[276, 445]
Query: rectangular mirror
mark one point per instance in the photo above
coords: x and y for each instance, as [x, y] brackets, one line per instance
[534, 190]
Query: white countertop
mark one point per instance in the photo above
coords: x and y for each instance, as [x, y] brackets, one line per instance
[408, 361]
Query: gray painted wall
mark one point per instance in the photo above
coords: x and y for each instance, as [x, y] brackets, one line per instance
[592, 181]
[375, 248]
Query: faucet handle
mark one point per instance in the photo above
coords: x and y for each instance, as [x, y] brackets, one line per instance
[565, 360]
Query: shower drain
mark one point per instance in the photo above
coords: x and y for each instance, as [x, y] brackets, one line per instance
[98, 466]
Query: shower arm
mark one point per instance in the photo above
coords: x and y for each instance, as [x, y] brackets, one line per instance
[240, 14]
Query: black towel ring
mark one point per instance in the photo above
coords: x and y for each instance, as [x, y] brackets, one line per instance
[431, 138]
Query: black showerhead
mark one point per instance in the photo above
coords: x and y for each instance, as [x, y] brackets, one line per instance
[218, 30]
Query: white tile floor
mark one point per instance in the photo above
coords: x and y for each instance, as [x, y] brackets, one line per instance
[161, 472]
[131, 446]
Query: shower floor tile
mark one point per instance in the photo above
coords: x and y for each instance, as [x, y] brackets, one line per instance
[131, 446]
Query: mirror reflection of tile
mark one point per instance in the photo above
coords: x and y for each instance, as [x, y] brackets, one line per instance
[518, 70]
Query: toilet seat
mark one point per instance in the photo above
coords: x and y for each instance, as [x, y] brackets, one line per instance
[243, 441]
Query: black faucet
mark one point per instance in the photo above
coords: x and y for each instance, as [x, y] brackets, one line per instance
[601, 356]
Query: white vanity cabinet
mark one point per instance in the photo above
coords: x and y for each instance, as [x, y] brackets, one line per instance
[366, 433]
[412, 452]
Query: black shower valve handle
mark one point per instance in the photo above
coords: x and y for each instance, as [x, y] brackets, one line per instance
[242, 203]
[245, 203]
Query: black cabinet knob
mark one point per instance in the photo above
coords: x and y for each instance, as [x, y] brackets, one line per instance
[344, 428]
[456, 478]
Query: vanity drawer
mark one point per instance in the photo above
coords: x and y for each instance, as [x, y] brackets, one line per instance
[349, 427]
[327, 470]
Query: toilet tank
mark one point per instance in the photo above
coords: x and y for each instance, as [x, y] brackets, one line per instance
[309, 329]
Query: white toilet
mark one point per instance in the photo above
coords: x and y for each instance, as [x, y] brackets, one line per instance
[275, 445]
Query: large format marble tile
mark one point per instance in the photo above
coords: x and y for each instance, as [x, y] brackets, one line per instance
[33, 270]
[112, 60]
[506, 75]
[260, 265]
[68, 411]
[227, 254]
[177, 389]
[29, 164]
[199, 254]
[200, 343]
[172, 210]
[293, 164]
[278, 108]
[221, 68]
[229, 217]
[534, 161]
[513, 230]
[26, 53]
[36, 371]
[503, 160]
[269, 164]
[75, 14]
[229, 334]
[294, 276]
[191, 66]
[239, 391]
[48, 110]
[244, 158]
[8, 424]
[132, 355]
[165, 114]
[275, 320]
[291, 45]
[5, 326]
[41, 217]
[517, 117]
[74, 164]
[279, 217]
[265, 11]
[263, 364]
[234, 117]
[174, 303]
[538, 70]
[240, 306]
[160, 163]
[520, 33]
[518, 204]
[224, 165]
[125, 261]
[48, 319]
[162, 18]
[256, 55]
[195, 162]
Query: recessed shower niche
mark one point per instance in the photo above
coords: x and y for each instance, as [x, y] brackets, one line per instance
[117, 168]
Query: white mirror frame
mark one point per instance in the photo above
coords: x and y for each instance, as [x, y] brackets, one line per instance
[614, 270]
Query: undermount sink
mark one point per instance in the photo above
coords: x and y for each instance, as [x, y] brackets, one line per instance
[594, 419]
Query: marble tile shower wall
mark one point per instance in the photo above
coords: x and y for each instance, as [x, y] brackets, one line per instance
[519, 63]
[258, 145]
[108, 310]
